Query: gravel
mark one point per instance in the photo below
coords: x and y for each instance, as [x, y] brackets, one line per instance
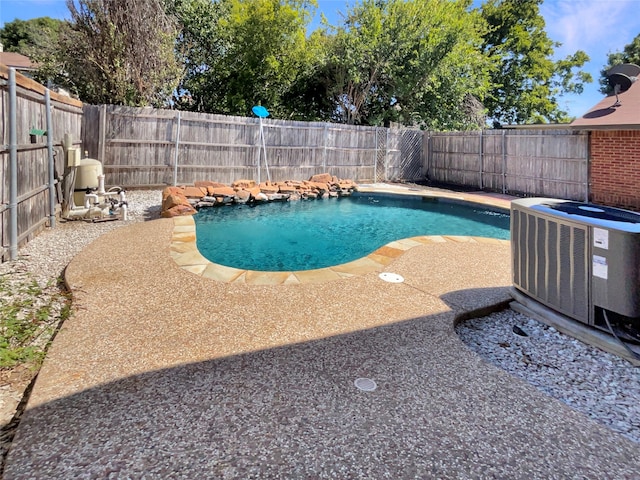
[598, 384]
[603, 386]
[45, 257]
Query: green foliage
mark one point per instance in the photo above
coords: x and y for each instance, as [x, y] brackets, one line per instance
[416, 62]
[528, 83]
[630, 54]
[28, 317]
[434, 63]
[29, 37]
[307, 98]
[120, 52]
[38, 39]
[243, 53]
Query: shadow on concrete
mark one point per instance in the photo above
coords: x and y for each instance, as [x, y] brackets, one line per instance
[439, 411]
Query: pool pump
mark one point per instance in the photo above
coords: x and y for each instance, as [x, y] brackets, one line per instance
[90, 201]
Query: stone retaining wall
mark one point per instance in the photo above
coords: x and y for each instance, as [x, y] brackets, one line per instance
[185, 200]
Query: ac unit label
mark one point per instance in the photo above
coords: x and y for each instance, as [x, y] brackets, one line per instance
[601, 238]
[600, 267]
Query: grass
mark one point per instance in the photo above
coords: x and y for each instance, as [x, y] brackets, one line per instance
[29, 316]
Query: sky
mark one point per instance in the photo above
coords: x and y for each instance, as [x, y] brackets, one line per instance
[598, 27]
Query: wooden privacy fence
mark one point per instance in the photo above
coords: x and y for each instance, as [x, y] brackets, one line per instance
[150, 147]
[32, 162]
[550, 163]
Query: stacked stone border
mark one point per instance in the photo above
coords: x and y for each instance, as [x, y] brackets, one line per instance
[185, 200]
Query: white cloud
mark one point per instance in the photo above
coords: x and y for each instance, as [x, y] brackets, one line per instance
[598, 27]
[595, 26]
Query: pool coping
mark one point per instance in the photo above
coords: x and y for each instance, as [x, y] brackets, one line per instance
[185, 253]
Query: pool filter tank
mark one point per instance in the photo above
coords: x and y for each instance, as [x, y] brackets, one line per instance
[90, 199]
[87, 174]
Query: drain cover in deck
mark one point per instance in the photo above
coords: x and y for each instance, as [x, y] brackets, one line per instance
[365, 384]
[391, 277]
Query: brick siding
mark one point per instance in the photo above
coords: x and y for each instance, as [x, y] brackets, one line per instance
[615, 168]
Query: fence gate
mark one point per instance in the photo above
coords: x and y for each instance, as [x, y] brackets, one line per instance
[410, 161]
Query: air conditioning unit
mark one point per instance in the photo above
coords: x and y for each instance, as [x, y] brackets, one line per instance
[579, 259]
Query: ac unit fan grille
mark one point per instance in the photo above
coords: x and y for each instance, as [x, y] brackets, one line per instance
[550, 263]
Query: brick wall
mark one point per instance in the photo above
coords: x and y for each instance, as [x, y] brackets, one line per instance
[615, 168]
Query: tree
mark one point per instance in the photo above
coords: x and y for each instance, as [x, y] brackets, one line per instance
[307, 98]
[416, 62]
[198, 43]
[38, 39]
[253, 53]
[30, 36]
[528, 83]
[121, 52]
[630, 54]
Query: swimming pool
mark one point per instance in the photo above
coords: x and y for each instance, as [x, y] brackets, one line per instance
[303, 235]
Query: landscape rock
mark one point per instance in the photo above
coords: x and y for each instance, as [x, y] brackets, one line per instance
[207, 183]
[322, 187]
[284, 188]
[171, 191]
[244, 184]
[181, 200]
[277, 197]
[204, 204]
[223, 192]
[178, 211]
[322, 178]
[268, 188]
[195, 192]
[242, 196]
[174, 200]
[254, 191]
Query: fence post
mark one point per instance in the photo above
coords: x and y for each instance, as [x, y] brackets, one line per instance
[259, 149]
[429, 153]
[375, 162]
[324, 150]
[13, 167]
[102, 135]
[386, 157]
[481, 153]
[52, 191]
[504, 162]
[175, 156]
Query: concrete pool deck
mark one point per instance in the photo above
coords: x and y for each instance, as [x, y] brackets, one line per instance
[163, 373]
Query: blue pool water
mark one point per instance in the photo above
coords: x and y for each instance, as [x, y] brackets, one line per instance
[302, 235]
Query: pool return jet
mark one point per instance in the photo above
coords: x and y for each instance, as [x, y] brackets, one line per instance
[261, 112]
